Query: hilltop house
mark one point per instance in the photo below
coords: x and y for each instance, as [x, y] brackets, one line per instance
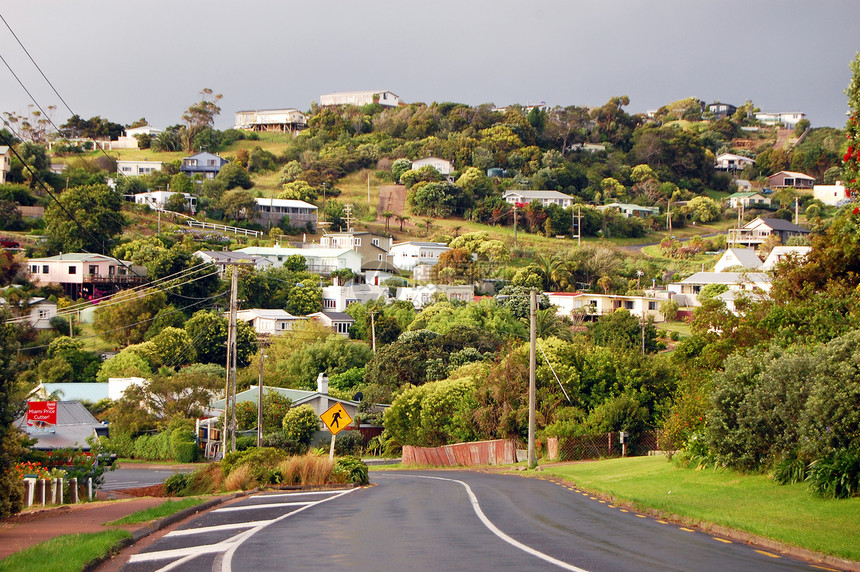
[780, 253]
[443, 166]
[203, 163]
[788, 119]
[224, 258]
[338, 322]
[371, 246]
[360, 98]
[749, 200]
[732, 163]
[5, 162]
[137, 168]
[420, 296]
[831, 195]
[318, 260]
[158, 200]
[785, 179]
[269, 322]
[283, 120]
[338, 298]
[686, 291]
[628, 210]
[37, 312]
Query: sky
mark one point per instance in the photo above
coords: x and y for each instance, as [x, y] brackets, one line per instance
[126, 60]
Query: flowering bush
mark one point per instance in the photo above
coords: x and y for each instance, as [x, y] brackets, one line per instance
[32, 469]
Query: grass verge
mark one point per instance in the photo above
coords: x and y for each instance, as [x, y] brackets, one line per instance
[164, 509]
[64, 553]
[751, 503]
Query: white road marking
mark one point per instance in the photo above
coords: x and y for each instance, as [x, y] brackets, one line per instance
[227, 561]
[495, 530]
[216, 528]
[296, 494]
[267, 505]
[179, 552]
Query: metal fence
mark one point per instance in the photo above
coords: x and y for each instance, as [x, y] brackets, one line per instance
[605, 445]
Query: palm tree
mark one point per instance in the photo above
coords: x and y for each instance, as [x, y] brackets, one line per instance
[387, 215]
[401, 219]
[549, 324]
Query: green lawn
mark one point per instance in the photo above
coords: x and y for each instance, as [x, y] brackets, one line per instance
[751, 503]
[64, 553]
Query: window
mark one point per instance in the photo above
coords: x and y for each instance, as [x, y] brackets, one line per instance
[94, 269]
[374, 241]
[356, 241]
[379, 257]
[652, 305]
[628, 305]
[329, 303]
[34, 269]
[44, 314]
[342, 327]
[73, 269]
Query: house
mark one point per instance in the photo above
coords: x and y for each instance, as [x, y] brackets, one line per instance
[406, 255]
[371, 246]
[282, 120]
[85, 275]
[37, 312]
[732, 163]
[69, 391]
[137, 168]
[298, 213]
[318, 260]
[731, 297]
[628, 210]
[787, 119]
[206, 164]
[73, 427]
[443, 166]
[749, 200]
[338, 298]
[224, 258]
[722, 110]
[360, 98]
[780, 253]
[269, 322]
[831, 195]
[745, 257]
[5, 163]
[338, 322]
[686, 292]
[421, 296]
[157, 200]
[587, 147]
[544, 198]
[592, 304]
[758, 230]
[130, 139]
[785, 179]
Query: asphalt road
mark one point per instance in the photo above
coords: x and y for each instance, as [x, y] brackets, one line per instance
[444, 520]
[132, 477]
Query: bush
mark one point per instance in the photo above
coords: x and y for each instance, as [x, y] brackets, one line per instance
[244, 442]
[349, 443]
[836, 476]
[176, 484]
[301, 423]
[280, 440]
[353, 469]
[789, 471]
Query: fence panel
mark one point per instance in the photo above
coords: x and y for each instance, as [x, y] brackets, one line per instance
[604, 445]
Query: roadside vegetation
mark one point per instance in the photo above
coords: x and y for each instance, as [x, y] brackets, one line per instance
[77, 551]
[166, 508]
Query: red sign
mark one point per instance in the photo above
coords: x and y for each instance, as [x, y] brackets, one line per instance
[41, 413]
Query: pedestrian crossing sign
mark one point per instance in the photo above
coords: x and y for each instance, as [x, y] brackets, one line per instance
[336, 418]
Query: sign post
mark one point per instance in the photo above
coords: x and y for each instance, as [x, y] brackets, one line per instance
[336, 419]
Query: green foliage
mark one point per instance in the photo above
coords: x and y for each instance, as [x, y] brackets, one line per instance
[300, 423]
[87, 218]
[436, 413]
[621, 329]
[836, 475]
[353, 469]
[127, 318]
[124, 364]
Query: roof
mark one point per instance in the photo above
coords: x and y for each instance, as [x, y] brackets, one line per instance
[727, 278]
[272, 314]
[74, 425]
[297, 396]
[334, 316]
[745, 256]
[78, 391]
[293, 203]
[538, 194]
[80, 257]
[777, 224]
[227, 256]
[306, 252]
[792, 174]
[744, 194]
[419, 243]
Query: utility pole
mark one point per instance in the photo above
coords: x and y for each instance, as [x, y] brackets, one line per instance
[515, 225]
[373, 330]
[532, 374]
[260, 397]
[230, 390]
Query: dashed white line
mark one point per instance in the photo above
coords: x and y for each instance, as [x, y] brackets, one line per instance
[267, 505]
[217, 528]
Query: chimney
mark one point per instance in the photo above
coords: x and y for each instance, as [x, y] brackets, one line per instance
[322, 383]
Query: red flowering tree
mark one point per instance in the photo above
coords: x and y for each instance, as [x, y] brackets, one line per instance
[851, 159]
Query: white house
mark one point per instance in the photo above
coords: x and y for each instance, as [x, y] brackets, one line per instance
[225, 258]
[338, 322]
[298, 213]
[359, 98]
[731, 162]
[270, 322]
[338, 298]
[686, 292]
[283, 120]
[831, 195]
[788, 119]
[137, 168]
[629, 210]
[420, 296]
[544, 198]
[748, 200]
[745, 257]
[319, 260]
[406, 255]
[759, 229]
[780, 253]
[37, 312]
[592, 304]
[5, 162]
[130, 141]
[443, 166]
[158, 200]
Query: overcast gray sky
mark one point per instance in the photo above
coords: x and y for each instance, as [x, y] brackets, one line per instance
[123, 60]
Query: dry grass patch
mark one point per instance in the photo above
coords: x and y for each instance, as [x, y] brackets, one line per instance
[306, 470]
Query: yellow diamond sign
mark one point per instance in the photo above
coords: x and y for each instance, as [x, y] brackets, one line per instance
[336, 418]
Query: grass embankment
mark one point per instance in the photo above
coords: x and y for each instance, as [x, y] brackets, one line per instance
[750, 503]
[64, 553]
[164, 509]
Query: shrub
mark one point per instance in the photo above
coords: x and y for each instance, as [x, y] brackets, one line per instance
[240, 479]
[306, 470]
[675, 336]
[789, 470]
[836, 476]
[280, 440]
[300, 424]
[349, 443]
[176, 484]
[352, 469]
[244, 442]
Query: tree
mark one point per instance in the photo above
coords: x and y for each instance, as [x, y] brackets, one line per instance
[398, 167]
[12, 404]
[200, 116]
[124, 364]
[85, 218]
[300, 424]
[703, 209]
[125, 319]
[299, 190]
[305, 298]
[851, 159]
[621, 329]
[234, 175]
[237, 204]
